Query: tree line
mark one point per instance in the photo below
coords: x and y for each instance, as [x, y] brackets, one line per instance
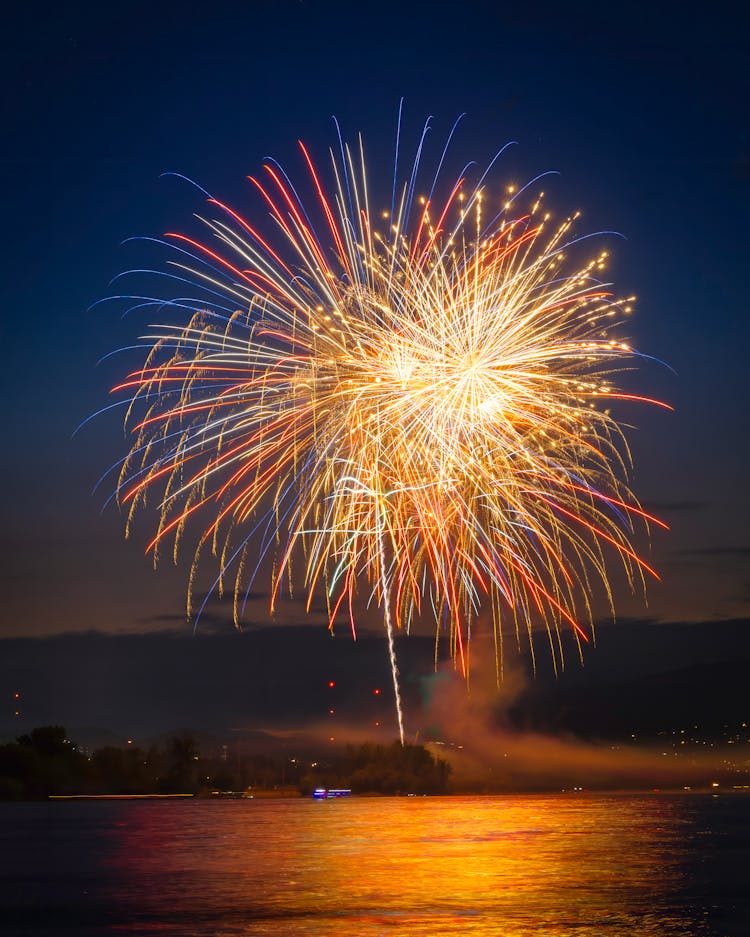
[45, 762]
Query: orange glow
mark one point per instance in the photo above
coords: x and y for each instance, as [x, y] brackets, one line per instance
[507, 866]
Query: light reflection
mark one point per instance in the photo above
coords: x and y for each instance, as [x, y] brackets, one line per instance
[506, 866]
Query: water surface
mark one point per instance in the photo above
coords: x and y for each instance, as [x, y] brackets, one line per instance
[558, 866]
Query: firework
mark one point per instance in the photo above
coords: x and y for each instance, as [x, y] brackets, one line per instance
[409, 407]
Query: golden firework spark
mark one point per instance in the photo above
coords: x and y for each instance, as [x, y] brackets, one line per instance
[414, 406]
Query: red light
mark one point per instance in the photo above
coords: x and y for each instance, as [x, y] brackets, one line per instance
[377, 723]
[376, 692]
[16, 696]
[330, 712]
[331, 738]
[331, 684]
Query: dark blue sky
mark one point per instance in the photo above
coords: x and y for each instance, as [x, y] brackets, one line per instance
[642, 110]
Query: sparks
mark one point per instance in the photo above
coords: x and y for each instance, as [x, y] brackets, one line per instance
[413, 408]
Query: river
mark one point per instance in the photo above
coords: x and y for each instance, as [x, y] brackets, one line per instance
[561, 865]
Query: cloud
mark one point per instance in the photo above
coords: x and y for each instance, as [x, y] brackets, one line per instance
[218, 613]
[673, 507]
[213, 598]
[720, 551]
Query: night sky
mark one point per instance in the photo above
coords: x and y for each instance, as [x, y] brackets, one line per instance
[642, 112]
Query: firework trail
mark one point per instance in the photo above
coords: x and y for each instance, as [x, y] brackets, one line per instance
[410, 405]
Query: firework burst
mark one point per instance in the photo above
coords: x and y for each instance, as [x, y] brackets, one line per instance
[412, 405]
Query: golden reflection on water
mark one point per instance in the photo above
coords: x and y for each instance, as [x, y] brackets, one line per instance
[479, 867]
